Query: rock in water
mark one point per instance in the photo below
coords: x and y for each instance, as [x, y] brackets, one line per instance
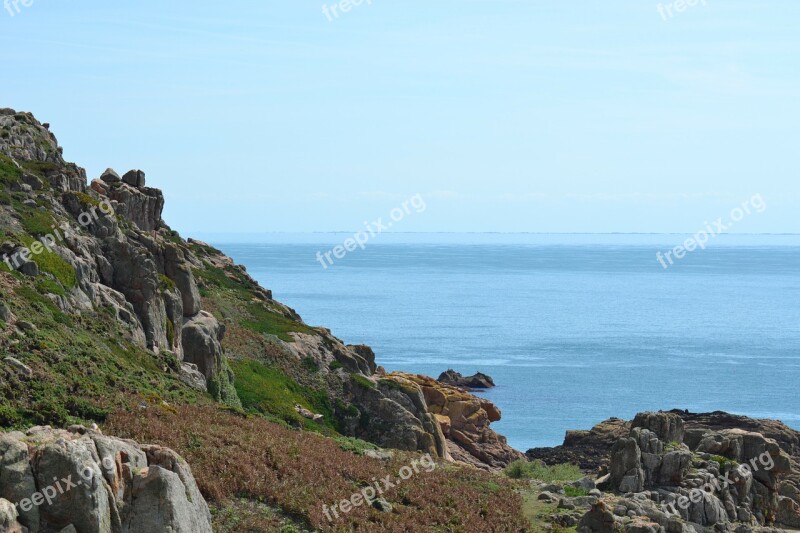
[476, 381]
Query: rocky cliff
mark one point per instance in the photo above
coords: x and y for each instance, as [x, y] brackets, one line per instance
[99, 259]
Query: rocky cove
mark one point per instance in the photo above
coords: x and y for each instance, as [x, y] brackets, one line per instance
[123, 323]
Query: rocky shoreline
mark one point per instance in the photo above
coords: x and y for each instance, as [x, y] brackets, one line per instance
[680, 472]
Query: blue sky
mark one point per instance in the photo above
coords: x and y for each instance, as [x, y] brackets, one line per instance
[516, 116]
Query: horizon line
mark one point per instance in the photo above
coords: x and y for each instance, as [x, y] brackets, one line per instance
[480, 233]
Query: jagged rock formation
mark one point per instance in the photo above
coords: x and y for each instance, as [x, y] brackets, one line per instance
[125, 258]
[80, 480]
[464, 422]
[688, 473]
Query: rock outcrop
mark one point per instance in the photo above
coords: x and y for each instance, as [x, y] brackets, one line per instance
[125, 257]
[464, 420]
[675, 471]
[475, 381]
[80, 480]
[588, 449]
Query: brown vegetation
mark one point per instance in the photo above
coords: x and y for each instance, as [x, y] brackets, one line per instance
[234, 457]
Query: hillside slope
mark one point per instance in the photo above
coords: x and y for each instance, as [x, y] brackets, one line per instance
[108, 315]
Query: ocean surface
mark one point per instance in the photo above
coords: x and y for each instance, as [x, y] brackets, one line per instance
[574, 329]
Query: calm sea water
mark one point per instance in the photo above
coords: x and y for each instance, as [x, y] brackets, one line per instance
[573, 328]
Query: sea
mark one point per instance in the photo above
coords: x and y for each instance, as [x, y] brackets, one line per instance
[574, 329]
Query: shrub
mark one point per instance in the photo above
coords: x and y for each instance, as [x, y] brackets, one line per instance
[49, 411]
[39, 167]
[724, 462]
[165, 284]
[9, 417]
[574, 492]
[310, 364]
[356, 446]
[86, 410]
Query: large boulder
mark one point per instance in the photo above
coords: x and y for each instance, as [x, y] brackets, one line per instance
[134, 178]
[599, 519]
[85, 482]
[201, 338]
[627, 474]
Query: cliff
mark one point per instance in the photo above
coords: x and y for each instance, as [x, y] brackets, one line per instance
[105, 309]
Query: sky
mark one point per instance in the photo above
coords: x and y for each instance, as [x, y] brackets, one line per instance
[502, 115]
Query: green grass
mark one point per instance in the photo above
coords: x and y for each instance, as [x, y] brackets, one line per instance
[523, 469]
[263, 320]
[52, 263]
[165, 284]
[267, 390]
[362, 381]
[39, 168]
[37, 222]
[45, 286]
[83, 366]
[724, 462]
[356, 446]
[9, 173]
[217, 277]
[574, 492]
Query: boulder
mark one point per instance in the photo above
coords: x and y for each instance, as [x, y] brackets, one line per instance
[160, 502]
[8, 518]
[110, 176]
[393, 414]
[190, 375]
[29, 268]
[142, 206]
[201, 337]
[627, 474]
[79, 480]
[19, 366]
[668, 427]
[475, 381]
[134, 178]
[5, 313]
[17, 480]
[599, 519]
